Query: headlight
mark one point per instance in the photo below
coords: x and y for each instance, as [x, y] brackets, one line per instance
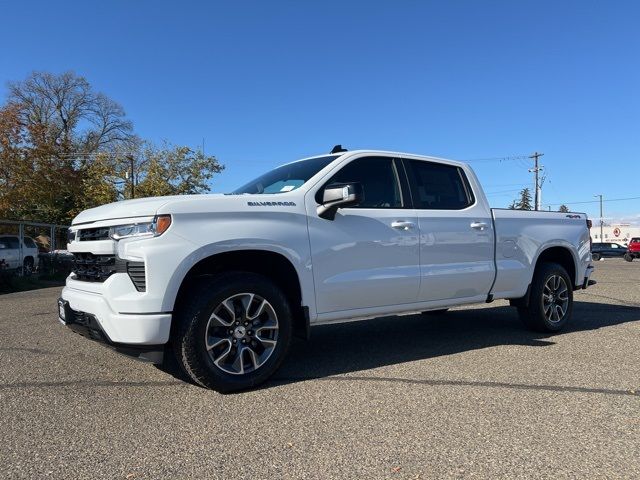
[157, 227]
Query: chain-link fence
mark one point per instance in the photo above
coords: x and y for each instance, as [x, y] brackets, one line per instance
[33, 249]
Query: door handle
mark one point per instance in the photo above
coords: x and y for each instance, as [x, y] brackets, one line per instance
[402, 225]
[478, 225]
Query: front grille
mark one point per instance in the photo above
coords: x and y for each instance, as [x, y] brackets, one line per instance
[93, 268]
[91, 234]
[88, 267]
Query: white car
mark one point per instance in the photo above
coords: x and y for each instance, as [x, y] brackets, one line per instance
[15, 255]
[223, 282]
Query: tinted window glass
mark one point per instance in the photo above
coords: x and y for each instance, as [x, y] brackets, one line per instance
[10, 242]
[287, 177]
[440, 187]
[378, 178]
[29, 243]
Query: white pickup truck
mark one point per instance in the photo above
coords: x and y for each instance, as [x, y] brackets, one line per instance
[223, 282]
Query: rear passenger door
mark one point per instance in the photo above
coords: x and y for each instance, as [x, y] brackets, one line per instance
[456, 233]
[367, 256]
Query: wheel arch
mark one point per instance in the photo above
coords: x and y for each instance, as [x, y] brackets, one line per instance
[560, 254]
[272, 264]
[563, 256]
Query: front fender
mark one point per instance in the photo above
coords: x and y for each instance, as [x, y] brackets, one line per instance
[301, 264]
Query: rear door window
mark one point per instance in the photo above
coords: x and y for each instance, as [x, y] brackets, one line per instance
[440, 187]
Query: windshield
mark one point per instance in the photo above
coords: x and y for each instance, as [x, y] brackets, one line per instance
[287, 177]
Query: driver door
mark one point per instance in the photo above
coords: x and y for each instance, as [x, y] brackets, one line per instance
[368, 255]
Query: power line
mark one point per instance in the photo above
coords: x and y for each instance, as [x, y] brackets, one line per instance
[508, 185]
[499, 159]
[594, 201]
[501, 192]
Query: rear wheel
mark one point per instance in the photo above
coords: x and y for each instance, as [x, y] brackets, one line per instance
[550, 301]
[233, 331]
[27, 267]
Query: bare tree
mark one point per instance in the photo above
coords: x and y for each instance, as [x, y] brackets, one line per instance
[63, 112]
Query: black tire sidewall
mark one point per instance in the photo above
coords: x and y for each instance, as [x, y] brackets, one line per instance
[534, 315]
[191, 349]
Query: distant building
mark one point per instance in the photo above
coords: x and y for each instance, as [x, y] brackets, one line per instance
[615, 232]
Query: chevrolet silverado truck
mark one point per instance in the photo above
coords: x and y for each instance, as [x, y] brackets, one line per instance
[223, 282]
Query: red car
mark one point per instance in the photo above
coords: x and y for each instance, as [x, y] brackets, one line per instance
[633, 250]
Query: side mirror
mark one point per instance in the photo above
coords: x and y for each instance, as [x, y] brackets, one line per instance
[336, 196]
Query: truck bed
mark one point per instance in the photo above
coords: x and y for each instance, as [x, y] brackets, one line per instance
[520, 236]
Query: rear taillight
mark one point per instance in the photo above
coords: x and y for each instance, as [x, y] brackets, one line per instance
[589, 224]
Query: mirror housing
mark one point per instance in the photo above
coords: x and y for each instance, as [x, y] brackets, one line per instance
[340, 195]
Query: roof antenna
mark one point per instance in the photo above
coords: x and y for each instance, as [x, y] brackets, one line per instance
[338, 149]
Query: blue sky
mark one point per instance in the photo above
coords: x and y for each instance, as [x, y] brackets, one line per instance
[268, 82]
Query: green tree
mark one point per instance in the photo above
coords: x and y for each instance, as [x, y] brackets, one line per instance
[524, 201]
[55, 125]
[171, 170]
[563, 208]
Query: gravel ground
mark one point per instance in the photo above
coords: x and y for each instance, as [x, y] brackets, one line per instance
[469, 394]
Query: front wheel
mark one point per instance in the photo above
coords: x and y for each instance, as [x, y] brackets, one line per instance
[595, 257]
[628, 257]
[233, 331]
[550, 300]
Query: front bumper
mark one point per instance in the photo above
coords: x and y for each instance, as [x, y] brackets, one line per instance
[87, 325]
[129, 328]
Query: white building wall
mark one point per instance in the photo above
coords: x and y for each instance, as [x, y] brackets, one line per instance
[617, 233]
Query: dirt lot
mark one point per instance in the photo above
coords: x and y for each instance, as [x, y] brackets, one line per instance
[470, 394]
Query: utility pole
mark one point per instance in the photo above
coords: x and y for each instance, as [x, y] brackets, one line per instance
[133, 181]
[601, 220]
[536, 170]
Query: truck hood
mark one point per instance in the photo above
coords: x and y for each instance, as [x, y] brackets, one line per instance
[210, 203]
[139, 207]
